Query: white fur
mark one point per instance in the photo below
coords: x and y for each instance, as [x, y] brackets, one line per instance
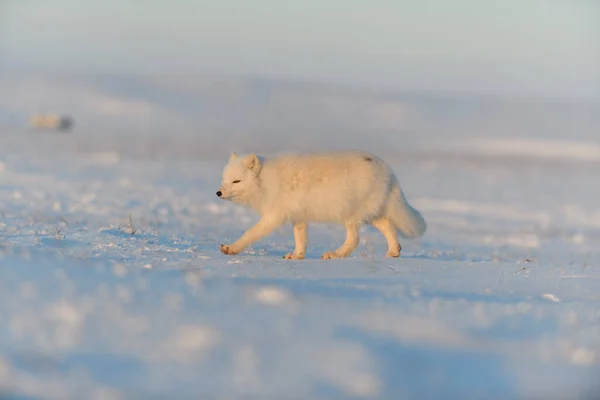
[349, 187]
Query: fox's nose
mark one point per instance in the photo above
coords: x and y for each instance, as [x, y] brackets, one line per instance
[219, 193]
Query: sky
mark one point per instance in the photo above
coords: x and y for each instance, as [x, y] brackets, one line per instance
[530, 47]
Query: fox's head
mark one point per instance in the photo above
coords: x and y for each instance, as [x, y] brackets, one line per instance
[240, 178]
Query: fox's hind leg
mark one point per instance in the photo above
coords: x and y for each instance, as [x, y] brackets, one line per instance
[388, 230]
[348, 246]
[300, 239]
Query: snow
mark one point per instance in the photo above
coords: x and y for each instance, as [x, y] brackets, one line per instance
[112, 285]
[553, 149]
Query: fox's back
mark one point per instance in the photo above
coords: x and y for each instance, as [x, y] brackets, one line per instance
[327, 186]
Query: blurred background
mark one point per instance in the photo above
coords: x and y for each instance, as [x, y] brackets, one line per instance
[201, 78]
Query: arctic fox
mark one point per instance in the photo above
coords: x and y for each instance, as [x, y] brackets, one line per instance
[349, 187]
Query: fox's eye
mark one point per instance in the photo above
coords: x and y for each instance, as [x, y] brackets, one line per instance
[236, 181]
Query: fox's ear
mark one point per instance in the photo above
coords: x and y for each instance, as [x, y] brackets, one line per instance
[232, 157]
[252, 163]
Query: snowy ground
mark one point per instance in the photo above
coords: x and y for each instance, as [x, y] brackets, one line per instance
[498, 300]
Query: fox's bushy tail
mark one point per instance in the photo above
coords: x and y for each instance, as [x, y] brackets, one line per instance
[405, 217]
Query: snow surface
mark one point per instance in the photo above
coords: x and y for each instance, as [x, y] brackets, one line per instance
[112, 285]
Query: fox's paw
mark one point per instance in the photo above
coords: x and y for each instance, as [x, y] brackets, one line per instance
[225, 249]
[330, 255]
[394, 253]
[294, 256]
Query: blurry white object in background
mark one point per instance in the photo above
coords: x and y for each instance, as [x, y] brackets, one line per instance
[51, 121]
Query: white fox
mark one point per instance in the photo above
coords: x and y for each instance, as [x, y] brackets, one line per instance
[349, 187]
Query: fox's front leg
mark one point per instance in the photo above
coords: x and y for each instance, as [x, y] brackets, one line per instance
[262, 228]
[300, 239]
